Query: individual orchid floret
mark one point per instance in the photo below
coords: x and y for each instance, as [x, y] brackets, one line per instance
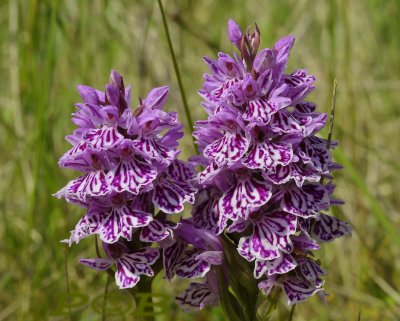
[194, 253]
[129, 265]
[199, 295]
[111, 218]
[270, 237]
[248, 190]
[232, 142]
[174, 187]
[234, 33]
[299, 284]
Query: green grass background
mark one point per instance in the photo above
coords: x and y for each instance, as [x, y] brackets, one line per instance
[48, 47]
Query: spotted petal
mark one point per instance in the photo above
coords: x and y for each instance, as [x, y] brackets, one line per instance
[267, 155]
[271, 235]
[307, 201]
[300, 84]
[298, 290]
[131, 176]
[124, 277]
[78, 149]
[283, 122]
[260, 110]
[206, 212]
[130, 266]
[95, 184]
[315, 149]
[228, 149]
[171, 257]
[312, 271]
[181, 171]
[238, 226]
[263, 244]
[267, 285]
[89, 224]
[120, 222]
[155, 231]
[281, 265]
[297, 172]
[192, 265]
[104, 138]
[209, 173]
[197, 296]
[169, 196]
[304, 243]
[244, 248]
[260, 268]
[91, 184]
[151, 147]
[248, 192]
[175, 187]
[99, 264]
[328, 228]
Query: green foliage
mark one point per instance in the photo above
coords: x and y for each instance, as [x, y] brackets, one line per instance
[47, 47]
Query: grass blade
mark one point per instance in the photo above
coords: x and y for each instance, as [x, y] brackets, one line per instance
[178, 74]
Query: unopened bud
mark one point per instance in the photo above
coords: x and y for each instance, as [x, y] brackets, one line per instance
[234, 33]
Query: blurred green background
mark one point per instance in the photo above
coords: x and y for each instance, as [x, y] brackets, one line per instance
[48, 47]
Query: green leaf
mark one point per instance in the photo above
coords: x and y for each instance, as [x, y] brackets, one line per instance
[242, 281]
[230, 305]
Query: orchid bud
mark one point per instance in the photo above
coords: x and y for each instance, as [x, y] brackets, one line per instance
[234, 33]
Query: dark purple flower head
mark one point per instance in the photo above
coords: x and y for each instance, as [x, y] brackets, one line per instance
[263, 165]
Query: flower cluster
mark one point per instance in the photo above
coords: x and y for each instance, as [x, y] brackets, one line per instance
[267, 175]
[259, 202]
[129, 165]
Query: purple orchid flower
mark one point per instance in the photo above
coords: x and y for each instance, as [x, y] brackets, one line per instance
[264, 166]
[194, 253]
[130, 169]
[129, 265]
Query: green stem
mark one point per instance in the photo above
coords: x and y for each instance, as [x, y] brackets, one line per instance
[332, 116]
[331, 120]
[178, 74]
[144, 287]
[292, 312]
[103, 312]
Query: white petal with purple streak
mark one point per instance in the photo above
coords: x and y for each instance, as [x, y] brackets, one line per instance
[131, 176]
[249, 192]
